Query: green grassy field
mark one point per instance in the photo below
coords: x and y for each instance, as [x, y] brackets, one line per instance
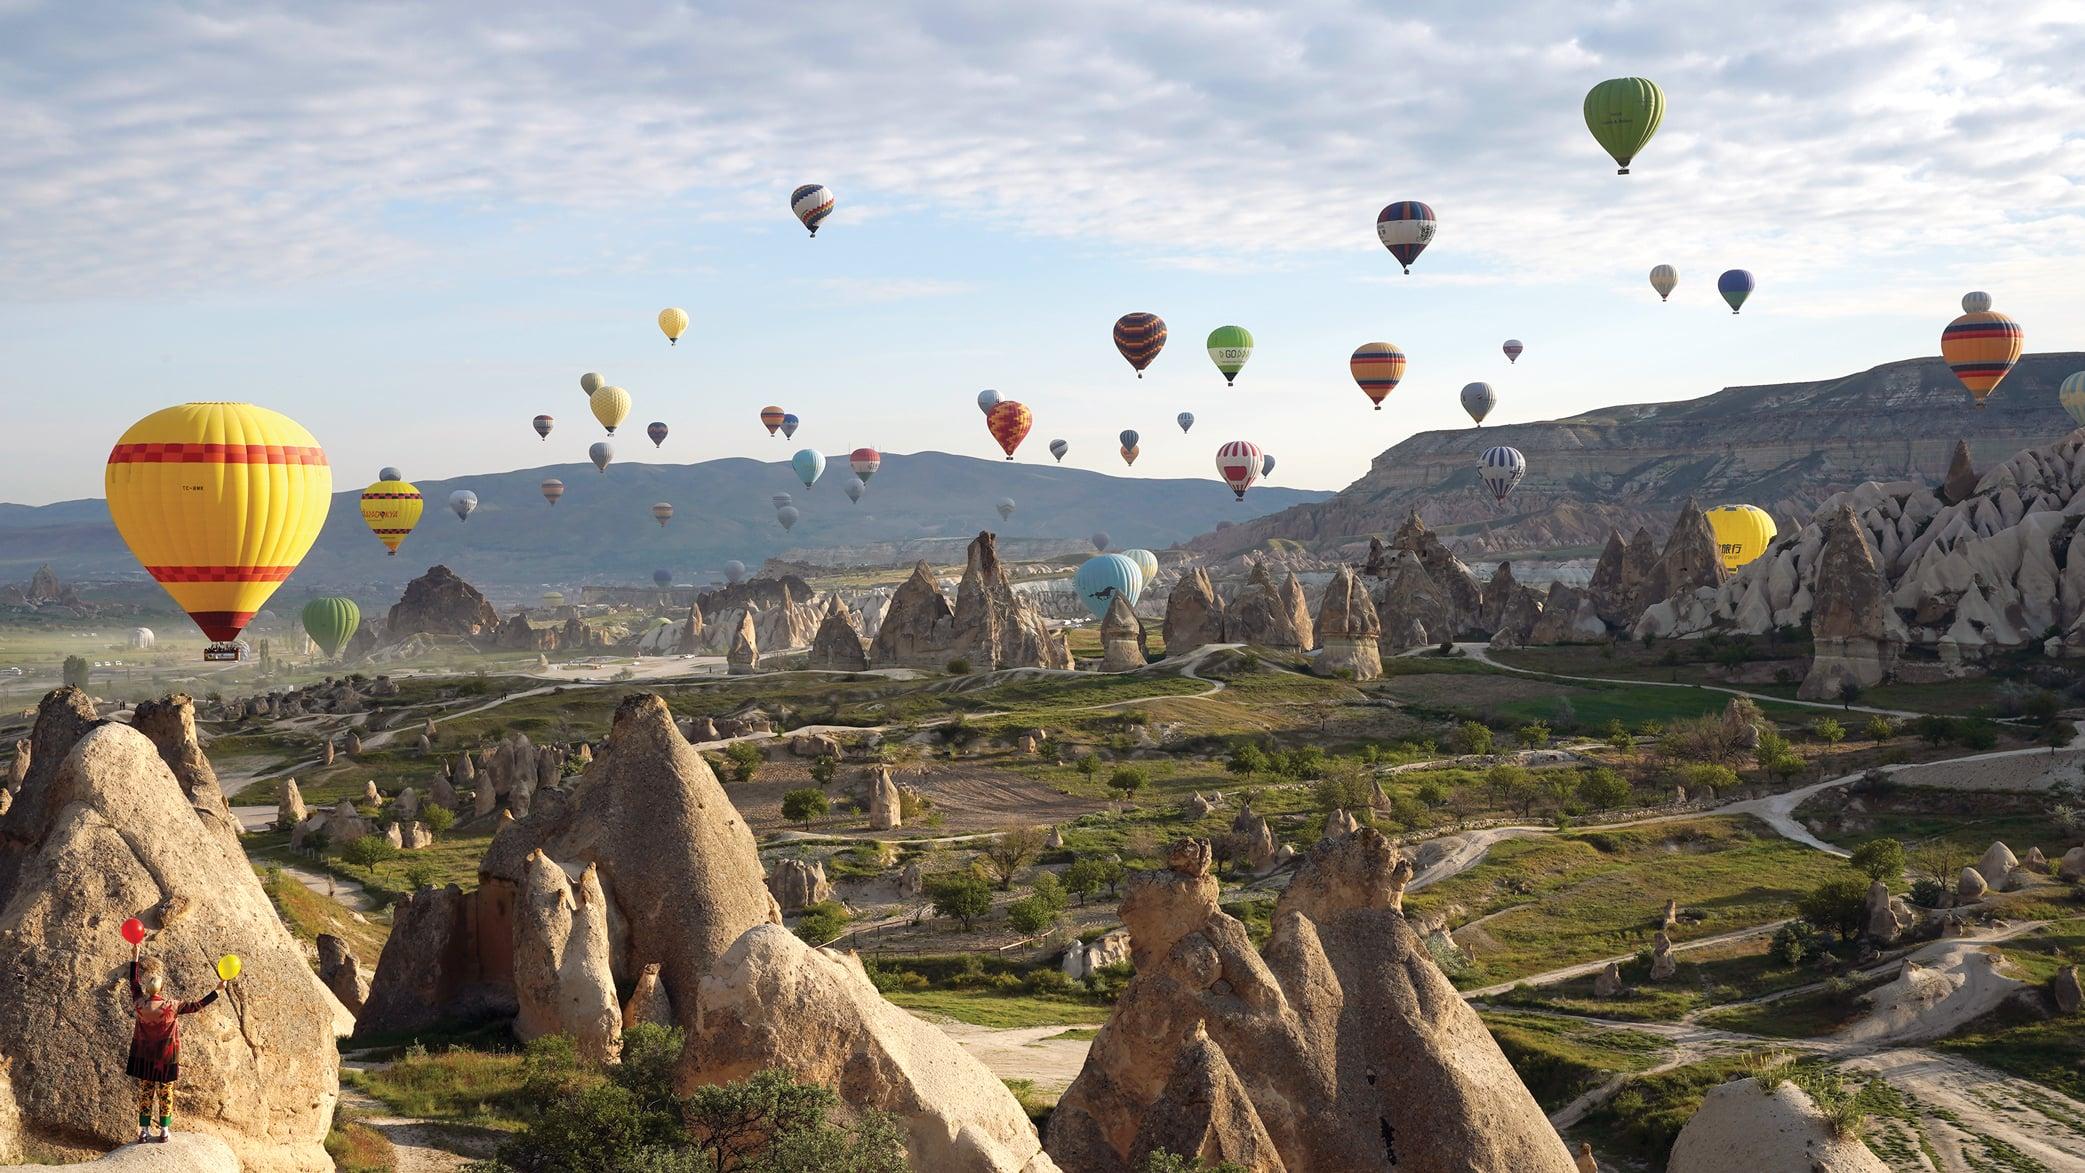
[1561, 1060]
[457, 1085]
[308, 914]
[1004, 1011]
[1710, 976]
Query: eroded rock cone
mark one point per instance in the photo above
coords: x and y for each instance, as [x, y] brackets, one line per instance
[1960, 482]
[1689, 561]
[1996, 864]
[745, 646]
[1349, 629]
[436, 967]
[1339, 822]
[1354, 1051]
[1194, 613]
[2066, 990]
[1121, 637]
[440, 603]
[170, 723]
[1883, 921]
[994, 627]
[1205, 1113]
[1662, 964]
[1261, 613]
[838, 646]
[289, 809]
[562, 982]
[1609, 983]
[1607, 588]
[918, 627]
[1412, 609]
[886, 806]
[342, 973]
[773, 1001]
[72, 857]
[1743, 1128]
[797, 884]
[1970, 887]
[1851, 617]
[18, 769]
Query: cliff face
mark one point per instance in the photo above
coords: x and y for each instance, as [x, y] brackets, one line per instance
[1784, 448]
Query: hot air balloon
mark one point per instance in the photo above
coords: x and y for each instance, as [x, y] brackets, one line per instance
[543, 426]
[1623, 113]
[855, 489]
[673, 322]
[1006, 508]
[1009, 422]
[809, 464]
[1128, 437]
[1513, 350]
[552, 600]
[662, 512]
[865, 462]
[590, 382]
[1743, 533]
[1058, 448]
[1663, 279]
[1146, 561]
[387, 473]
[734, 572]
[610, 405]
[2071, 394]
[331, 622]
[662, 579]
[812, 203]
[789, 425]
[1130, 454]
[600, 454]
[657, 431]
[1101, 578]
[1502, 469]
[1735, 285]
[1238, 463]
[1101, 540]
[781, 499]
[1978, 302]
[987, 399]
[1376, 367]
[1405, 228]
[787, 515]
[1266, 464]
[772, 418]
[1229, 348]
[1478, 399]
[462, 503]
[553, 489]
[1140, 337]
[219, 502]
[1186, 420]
[1981, 349]
[391, 508]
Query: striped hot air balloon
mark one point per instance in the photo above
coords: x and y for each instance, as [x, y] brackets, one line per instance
[1664, 279]
[1513, 349]
[1009, 421]
[1405, 228]
[865, 462]
[543, 425]
[1976, 302]
[789, 425]
[219, 502]
[1185, 419]
[1140, 337]
[812, 203]
[2071, 394]
[771, 416]
[1058, 448]
[552, 490]
[657, 431]
[391, 508]
[1502, 469]
[1377, 366]
[1981, 349]
[1238, 463]
[662, 512]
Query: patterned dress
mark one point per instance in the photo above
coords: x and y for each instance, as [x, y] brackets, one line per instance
[155, 1044]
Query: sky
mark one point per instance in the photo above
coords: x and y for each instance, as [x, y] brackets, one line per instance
[412, 227]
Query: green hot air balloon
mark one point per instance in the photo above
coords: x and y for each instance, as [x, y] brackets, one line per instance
[331, 622]
[1229, 347]
[1623, 113]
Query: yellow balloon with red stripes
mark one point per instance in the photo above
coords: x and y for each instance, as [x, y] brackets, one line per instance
[219, 502]
[391, 508]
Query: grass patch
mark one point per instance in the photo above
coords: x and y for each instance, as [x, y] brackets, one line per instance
[308, 914]
[1561, 1060]
[1711, 976]
[1078, 1034]
[357, 1148]
[1001, 1011]
[1646, 1114]
[2019, 1042]
[462, 1086]
[1808, 1015]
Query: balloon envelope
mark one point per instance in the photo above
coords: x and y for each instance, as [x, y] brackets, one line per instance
[1103, 577]
[391, 508]
[229, 967]
[552, 490]
[1006, 508]
[1009, 422]
[662, 578]
[1478, 399]
[1376, 367]
[1502, 469]
[133, 930]
[865, 462]
[781, 499]
[987, 399]
[1514, 349]
[657, 431]
[218, 502]
[673, 322]
[787, 515]
[1229, 348]
[1238, 463]
[1735, 285]
[462, 502]
[1664, 278]
[772, 417]
[1101, 540]
[1981, 349]
[789, 425]
[1976, 303]
[855, 489]
[331, 622]
[1128, 437]
[1185, 419]
[1623, 113]
[591, 382]
[2071, 394]
[1146, 561]
[610, 405]
[812, 203]
[1743, 533]
[662, 513]
[1405, 228]
[1130, 454]
[809, 464]
[543, 426]
[1140, 337]
[734, 572]
[600, 454]
[1266, 464]
[1058, 448]
[387, 473]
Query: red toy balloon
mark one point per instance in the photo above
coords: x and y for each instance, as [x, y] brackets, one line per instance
[134, 930]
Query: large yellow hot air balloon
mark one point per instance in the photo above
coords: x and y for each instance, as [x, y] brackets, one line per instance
[1743, 533]
[391, 508]
[219, 501]
[611, 405]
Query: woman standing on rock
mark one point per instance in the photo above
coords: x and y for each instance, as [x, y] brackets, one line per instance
[155, 1044]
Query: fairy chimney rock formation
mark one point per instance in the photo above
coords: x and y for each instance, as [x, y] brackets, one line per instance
[342, 973]
[918, 627]
[1850, 618]
[745, 646]
[1884, 919]
[1377, 564]
[1970, 887]
[1997, 864]
[1339, 822]
[562, 981]
[1348, 629]
[1662, 964]
[992, 625]
[1194, 614]
[2066, 990]
[1261, 614]
[1608, 589]
[1298, 606]
[1121, 637]
[1743, 1128]
[1960, 482]
[440, 603]
[648, 1004]
[1639, 568]
[1205, 1114]
[838, 647]
[1609, 982]
[289, 809]
[886, 808]
[797, 885]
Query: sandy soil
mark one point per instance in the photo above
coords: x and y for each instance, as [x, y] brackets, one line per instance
[970, 798]
[2036, 769]
[1948, 985]
[2042, 1124]
[421, 1146]
[1028, 1052]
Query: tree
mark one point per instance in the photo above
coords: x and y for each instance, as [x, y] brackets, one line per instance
[1938, 860]
[770, 1122]
[1602, 789]
[75, 672]
[1432, 793]
[1127, 780]
[1471, 737]
[802, 806]
[743, 759]
[421, 873]
[1849, 692]
[1005, 854]
[1620, 739]
[823, 922]
[1513, 786]
[961, 895]
[1089, 764]
[1031, 915]
[1839, 905]
[1085, 877]
[368, 851]
[1533, 735]
[437, 817]
[1879, 859]
[1829, 731]
[823, 768]
[1246, 760]
[1344, 787]
[1879, 728]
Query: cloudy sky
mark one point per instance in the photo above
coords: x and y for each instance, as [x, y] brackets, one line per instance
[413, 226]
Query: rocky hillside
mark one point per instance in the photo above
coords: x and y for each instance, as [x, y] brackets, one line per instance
[1784, 447]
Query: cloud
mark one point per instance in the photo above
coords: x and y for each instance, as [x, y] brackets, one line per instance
[242, 144]
[884, 289]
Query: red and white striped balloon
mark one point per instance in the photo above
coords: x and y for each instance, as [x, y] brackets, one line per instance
[1238, 463]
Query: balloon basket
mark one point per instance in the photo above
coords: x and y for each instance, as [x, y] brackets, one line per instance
[221, 654]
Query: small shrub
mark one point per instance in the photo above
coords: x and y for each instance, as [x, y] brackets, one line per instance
[959, 667]
[823, 922]
[438, 818]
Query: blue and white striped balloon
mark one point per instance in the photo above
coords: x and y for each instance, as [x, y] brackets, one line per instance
[1502, 469]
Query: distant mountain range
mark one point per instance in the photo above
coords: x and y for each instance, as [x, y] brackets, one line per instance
[1783, 447]
[602, 530]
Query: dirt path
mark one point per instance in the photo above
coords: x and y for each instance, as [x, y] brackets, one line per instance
[1591, 967]
[1966, 1107]
[347, 893]
[420, 1146]
[1028, 1052]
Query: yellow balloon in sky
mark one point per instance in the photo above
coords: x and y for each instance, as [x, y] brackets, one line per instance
[673, 322]
[391, 509]
[611, 406]
[1743, 533]
[219, 502]
[229, 967]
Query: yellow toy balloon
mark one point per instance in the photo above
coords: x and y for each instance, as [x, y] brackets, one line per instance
[228, 967]
[219, 502]
[1743, 533]
[673, 322]
[611, 405]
